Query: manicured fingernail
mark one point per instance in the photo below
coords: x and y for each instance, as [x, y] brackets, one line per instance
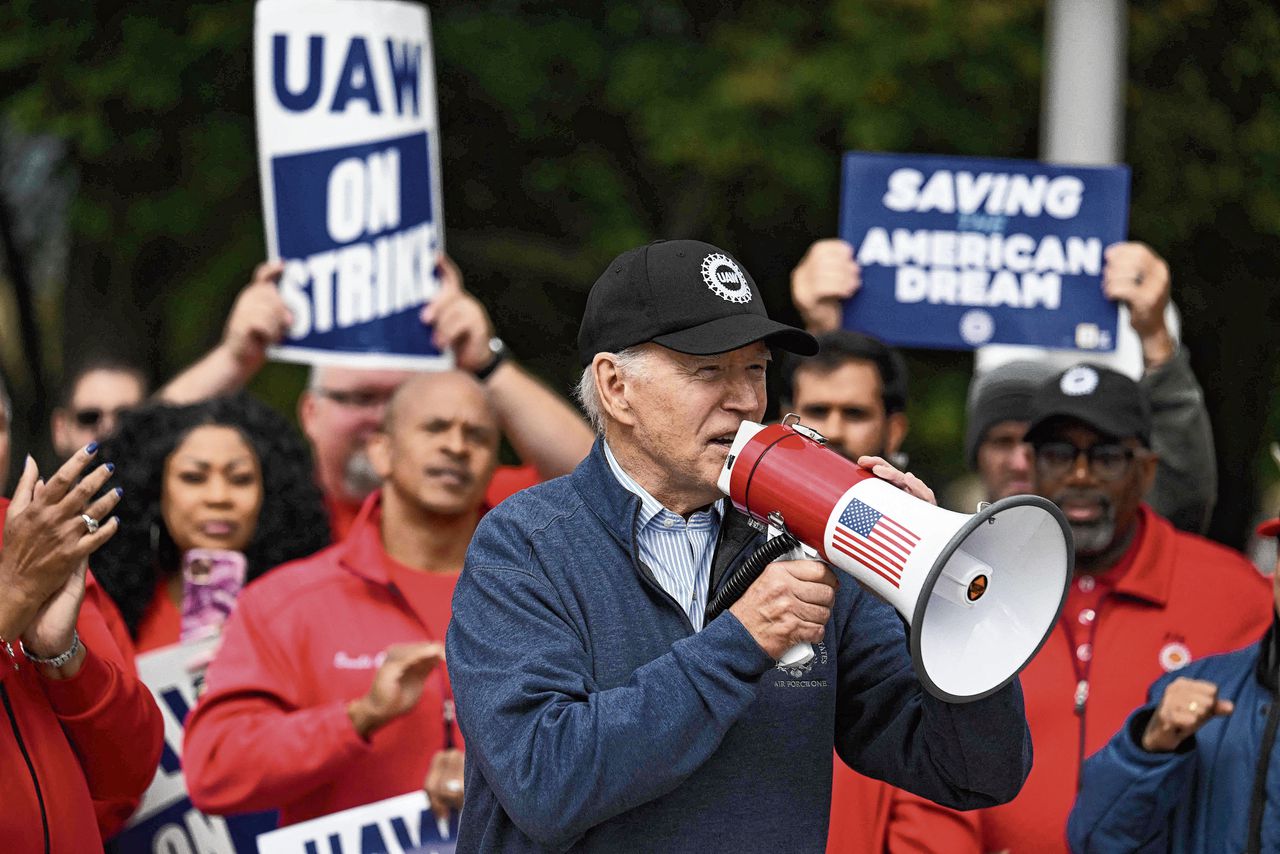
[91, 448]
[111, 467]
[119, 491]
[116, 519]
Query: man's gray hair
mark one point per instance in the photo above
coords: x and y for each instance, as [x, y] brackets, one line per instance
[632, 361]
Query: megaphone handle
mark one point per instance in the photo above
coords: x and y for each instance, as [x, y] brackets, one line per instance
[802, 653]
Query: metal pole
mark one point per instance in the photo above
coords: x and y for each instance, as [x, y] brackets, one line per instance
[1082, 119]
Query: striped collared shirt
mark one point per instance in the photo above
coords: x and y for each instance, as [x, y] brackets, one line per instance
[676, 550]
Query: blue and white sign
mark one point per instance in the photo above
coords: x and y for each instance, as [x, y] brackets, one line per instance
[348, 145]
[400, 825]
[958, 252]
[166, 821]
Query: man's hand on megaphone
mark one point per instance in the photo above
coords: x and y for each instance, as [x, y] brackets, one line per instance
[905, 481]
[788, 604]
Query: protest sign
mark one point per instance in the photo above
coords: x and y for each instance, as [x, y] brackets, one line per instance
[348, 149]
[166, 822]
[400, 825]
[958, 252]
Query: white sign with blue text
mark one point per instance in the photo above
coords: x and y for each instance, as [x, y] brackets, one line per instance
[958, 252]
[400, 825]
[166, 822]
[348, 146]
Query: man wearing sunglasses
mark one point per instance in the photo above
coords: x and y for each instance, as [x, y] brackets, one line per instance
[96, 394]
[1145, 600]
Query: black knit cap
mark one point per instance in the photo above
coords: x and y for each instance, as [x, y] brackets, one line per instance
[1106, 400]
[683, 294]
[1000, 394]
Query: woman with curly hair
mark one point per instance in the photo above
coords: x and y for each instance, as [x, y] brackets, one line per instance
[227, 474]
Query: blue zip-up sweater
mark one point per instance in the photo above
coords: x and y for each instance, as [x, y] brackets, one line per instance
[1219, 791]
[596, 719]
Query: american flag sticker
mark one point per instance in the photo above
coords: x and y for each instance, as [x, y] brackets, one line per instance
[874, 540]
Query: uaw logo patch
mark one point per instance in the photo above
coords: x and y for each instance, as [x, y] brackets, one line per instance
[725, 278]
[1174, 656]
[798, 672]
[1079, 381]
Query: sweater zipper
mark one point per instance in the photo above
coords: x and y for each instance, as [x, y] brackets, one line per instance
[31, 768]
[1259, 802]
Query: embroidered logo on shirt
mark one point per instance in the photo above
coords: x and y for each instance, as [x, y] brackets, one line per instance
[1174, 656]
[795, 671]
[364, 661]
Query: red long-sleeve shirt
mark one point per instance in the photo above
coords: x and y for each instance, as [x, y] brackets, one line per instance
[271, 731]
[76, 747]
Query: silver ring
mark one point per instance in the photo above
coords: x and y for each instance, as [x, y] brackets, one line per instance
[90, 523]
[454, 786]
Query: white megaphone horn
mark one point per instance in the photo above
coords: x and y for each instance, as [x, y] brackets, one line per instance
[981, 593]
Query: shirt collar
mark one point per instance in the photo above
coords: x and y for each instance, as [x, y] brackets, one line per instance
[651, 507]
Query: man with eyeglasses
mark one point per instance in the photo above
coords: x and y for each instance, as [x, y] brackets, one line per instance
[1145, 600]
[342, 407]
[96, 393]
[1185, 484]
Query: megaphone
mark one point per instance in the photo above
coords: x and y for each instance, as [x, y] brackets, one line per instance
[981, 593]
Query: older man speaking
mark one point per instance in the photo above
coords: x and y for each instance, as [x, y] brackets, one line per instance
[600, 713]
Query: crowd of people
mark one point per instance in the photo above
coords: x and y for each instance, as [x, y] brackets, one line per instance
[528, 644]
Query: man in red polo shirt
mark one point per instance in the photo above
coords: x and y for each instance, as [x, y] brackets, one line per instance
[329, 690]
[1146, 599]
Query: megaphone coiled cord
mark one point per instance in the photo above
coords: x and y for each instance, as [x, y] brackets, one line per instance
[746, 574]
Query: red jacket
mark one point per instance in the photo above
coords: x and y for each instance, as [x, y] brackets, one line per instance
[1182, 598]
[871, 817]
[271, 731]
[79, 746]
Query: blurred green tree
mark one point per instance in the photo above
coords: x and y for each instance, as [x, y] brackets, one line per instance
[572, 130]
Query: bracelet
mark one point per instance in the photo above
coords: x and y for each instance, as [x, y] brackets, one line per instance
[58, 660]
[7, 648]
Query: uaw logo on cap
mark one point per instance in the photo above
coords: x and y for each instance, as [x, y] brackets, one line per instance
[1079, 381]
[725, 278]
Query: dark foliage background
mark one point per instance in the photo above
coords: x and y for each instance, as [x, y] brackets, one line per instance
[573, 130]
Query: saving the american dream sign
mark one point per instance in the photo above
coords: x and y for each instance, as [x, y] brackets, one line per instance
[958, 252]
[348, 146]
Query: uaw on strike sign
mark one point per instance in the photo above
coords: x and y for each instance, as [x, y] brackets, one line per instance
[348, 146]
[958, 252]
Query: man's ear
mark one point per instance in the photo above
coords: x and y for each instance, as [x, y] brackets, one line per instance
[60, 427]
[897, 432]
[306, 411]
[613, 387]
[379, 449]
[1149, 463]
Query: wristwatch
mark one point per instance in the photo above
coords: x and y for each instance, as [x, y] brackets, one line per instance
[499, 351]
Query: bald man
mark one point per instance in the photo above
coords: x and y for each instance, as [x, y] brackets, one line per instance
[329, 690]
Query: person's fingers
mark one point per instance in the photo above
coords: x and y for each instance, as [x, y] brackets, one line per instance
[268, 271]
[25, 490]
[101, 507]
[450, 275]
[814, 594]
[814, 571]
[74, 502]
[106, 530]
[68, 473]
[1223, 707]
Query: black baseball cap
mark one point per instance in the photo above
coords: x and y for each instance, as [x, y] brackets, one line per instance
[1106, 400]
[683, 294]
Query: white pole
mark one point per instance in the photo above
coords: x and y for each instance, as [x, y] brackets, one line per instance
[1082, 119]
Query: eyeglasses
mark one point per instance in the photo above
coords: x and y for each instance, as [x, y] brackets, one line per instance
[355, 399]
[1106, 461]
[92, 416]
